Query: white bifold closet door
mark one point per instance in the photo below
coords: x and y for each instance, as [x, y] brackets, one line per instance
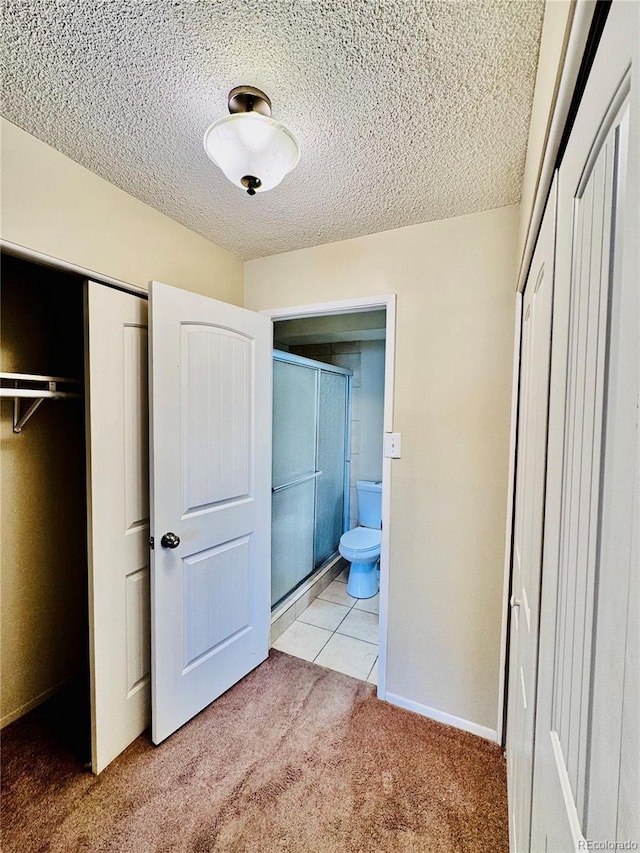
[587, 622]
[118, 519]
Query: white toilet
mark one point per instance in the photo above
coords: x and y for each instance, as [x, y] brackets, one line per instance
[361, 545]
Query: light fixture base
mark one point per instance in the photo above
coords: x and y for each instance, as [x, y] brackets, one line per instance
[251, 184]
[247, 99]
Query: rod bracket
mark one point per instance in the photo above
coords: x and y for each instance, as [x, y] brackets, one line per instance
[20, 420]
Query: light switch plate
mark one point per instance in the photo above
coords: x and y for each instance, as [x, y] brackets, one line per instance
[393, 445]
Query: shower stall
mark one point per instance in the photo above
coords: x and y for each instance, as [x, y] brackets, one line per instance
[310, 508]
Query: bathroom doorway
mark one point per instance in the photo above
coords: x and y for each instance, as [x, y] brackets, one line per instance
[320, 621]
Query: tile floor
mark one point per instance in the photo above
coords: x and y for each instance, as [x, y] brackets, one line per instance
[336, 631]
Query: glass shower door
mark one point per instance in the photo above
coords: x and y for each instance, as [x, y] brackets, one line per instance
[310, 467]
[332, 460]
[294, 475]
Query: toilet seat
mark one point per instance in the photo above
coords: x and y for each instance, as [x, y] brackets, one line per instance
[365, 541]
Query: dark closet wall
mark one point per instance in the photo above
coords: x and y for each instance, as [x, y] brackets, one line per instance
[43, 506]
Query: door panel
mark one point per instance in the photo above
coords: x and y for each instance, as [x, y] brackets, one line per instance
[614, 735]
[211, 487]
[528, 527]
[215, 377]
[118, 512]
[216, 597]
[592, 219]
[581, 486]
[136, 413]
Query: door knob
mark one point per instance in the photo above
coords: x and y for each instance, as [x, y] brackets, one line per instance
[170, 540]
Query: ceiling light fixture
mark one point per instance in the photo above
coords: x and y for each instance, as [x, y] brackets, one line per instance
[254, 151]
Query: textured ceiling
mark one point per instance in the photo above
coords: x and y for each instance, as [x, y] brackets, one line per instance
[406, 110]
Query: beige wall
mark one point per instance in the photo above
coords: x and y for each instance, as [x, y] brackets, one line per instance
[557, 18]
[454, 280]
[52, 205]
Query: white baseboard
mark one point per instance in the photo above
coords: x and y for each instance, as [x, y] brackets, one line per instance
[12, 716]
[441, 717]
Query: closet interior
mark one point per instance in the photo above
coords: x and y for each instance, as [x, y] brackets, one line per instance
[44, 507]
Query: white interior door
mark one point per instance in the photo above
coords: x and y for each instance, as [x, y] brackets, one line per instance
[593, 227]
[211, 500]
[528, 527]
[118, 519]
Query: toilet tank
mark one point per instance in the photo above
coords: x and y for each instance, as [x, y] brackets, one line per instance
[369, 503]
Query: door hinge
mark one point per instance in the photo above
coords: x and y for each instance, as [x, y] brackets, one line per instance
[151, 543]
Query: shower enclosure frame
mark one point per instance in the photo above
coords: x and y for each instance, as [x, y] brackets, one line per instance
[319, 366]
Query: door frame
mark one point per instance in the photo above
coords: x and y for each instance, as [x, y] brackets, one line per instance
[387, 302]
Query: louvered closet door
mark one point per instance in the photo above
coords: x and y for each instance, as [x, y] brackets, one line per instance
[529, 512]
[593, 228]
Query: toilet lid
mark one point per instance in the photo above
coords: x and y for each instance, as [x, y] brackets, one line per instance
[361, 539]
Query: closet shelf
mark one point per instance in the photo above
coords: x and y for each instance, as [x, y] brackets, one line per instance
[20, 386]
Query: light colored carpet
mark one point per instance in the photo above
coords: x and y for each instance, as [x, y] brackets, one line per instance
[294, 759]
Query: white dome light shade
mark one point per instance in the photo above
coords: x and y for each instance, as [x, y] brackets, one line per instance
[249, 144]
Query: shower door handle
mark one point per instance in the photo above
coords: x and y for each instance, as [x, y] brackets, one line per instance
[296, 482]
